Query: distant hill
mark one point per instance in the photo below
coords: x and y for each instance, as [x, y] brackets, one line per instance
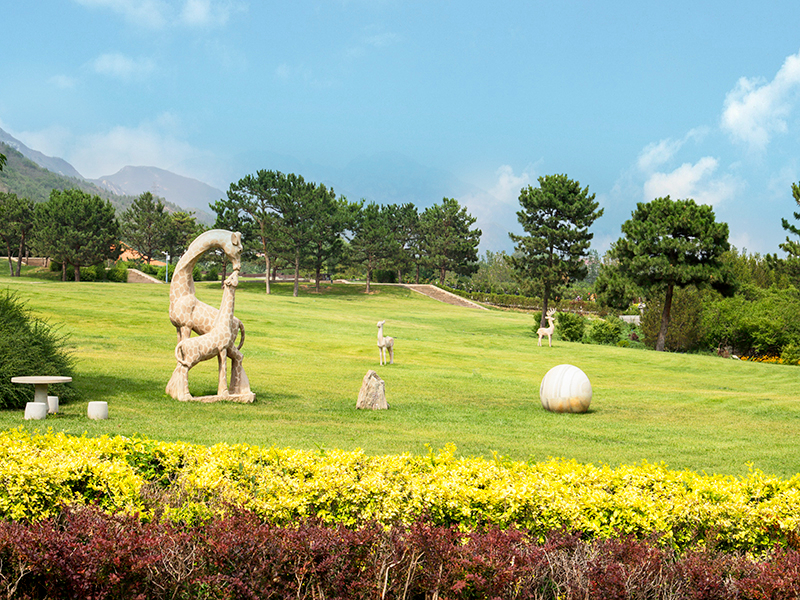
[51, 163]
[183, 191]
[23, 177]
[33, 174]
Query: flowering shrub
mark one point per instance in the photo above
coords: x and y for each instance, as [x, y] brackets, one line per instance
[40, 473]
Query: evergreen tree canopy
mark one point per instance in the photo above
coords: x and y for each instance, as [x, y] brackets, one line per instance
[447, 240]
[77, 229]
[556, 217]
[16, 222]
[145, 226]
[671, 243]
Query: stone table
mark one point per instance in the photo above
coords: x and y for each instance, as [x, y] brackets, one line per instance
[40, 383]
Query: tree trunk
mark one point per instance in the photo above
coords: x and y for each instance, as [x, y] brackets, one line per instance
[19, 255]
[399, 275]
[442, 272]
[63, 271]
[545, 301]
[10, 262]
[369, 276]
[662, 332]
[224, 270]
[296, 273]
[266, 273]
[416, 280]
[317, 277]
[77, 270]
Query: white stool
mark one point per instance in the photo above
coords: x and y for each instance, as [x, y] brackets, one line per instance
[52, 405]
[35, 410]
[98, 410]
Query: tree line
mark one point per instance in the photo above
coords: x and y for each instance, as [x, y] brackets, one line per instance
[286, 221]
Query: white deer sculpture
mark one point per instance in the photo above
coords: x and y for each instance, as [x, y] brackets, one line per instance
[547, 331]
[385, 344]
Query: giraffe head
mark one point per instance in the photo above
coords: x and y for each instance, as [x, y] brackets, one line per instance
[380, 323]
[233, 248]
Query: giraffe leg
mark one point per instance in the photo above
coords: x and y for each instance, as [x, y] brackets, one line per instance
[240, 384]
[222, 387]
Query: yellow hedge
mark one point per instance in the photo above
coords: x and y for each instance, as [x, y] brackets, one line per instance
[41, 472]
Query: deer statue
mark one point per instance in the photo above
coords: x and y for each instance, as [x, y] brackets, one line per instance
[218, 341]
[548, 331]
[385, 344]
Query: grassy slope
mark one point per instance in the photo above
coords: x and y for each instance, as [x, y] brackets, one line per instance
[461, 376]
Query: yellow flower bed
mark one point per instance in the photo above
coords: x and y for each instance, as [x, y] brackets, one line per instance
[41, 472]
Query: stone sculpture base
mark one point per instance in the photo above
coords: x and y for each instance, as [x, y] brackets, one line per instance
[241, 398]
[373, 393]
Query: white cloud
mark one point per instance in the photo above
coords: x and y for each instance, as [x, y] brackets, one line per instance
[656, 154]
[208, 13]
[693, 181]
[123, 67]
[507, 187]
[144, 13]
[659, 153]
[754, 111]
[149, 144]
[157, 14]
[53, 141]
[63, 82]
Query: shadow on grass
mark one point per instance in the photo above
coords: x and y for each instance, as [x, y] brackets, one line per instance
[94, 386]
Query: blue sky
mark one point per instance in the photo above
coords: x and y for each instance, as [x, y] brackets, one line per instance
[634, 99]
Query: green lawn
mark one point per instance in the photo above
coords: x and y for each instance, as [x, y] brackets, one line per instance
[461, 376]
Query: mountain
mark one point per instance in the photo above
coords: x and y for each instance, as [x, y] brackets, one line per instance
[23, 177]
[56, 165]
[183, 191]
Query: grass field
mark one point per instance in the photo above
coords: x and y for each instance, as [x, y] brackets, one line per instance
[461, 376]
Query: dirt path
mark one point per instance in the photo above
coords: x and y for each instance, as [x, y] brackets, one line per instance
[442, 296]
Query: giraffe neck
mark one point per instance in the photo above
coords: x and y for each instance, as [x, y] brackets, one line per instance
[182, 280]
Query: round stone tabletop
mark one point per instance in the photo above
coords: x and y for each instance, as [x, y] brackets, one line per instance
[41, 379]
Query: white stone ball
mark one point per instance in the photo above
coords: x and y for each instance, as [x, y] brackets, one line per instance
[565, 388]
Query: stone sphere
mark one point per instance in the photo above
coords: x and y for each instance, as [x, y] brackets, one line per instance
[565, 388]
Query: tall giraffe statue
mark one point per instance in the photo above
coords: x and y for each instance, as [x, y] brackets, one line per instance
[216, 342]
[188, 314]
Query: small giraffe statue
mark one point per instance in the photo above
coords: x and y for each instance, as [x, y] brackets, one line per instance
[385, 344]
[216, 342]
[547, 331]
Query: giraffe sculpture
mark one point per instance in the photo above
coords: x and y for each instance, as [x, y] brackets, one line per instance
[385, 344]
[216, 342]
[188, 314]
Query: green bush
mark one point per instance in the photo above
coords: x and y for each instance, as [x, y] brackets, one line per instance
[571, 326]
[91, 274]
[606, 332]
[212, 274]
[29, 346]
[118, 273]
[791, 354]
[384, 276]
[149, 269]
[685, 324]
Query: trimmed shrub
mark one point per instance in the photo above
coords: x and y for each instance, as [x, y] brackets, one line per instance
[570, 326]
[29, 346]
[212, 274]
[149, 269]
[118, 273]
[790, 355]
[606, 331]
